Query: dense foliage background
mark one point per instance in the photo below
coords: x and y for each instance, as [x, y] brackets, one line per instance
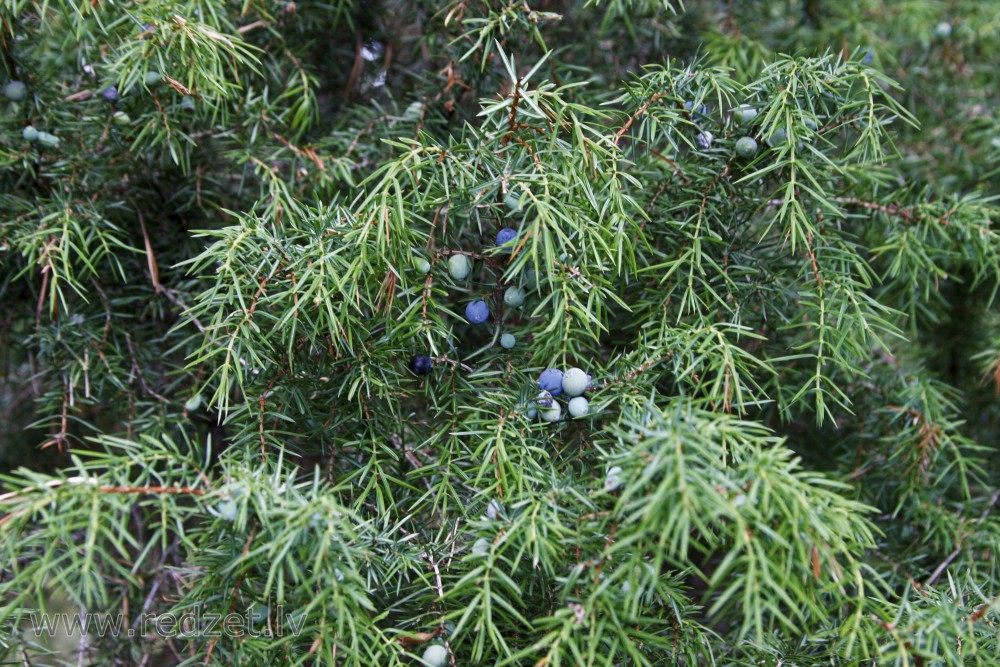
[212, 284]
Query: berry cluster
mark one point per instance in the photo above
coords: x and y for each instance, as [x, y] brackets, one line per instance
[553, 382]
[478, 311]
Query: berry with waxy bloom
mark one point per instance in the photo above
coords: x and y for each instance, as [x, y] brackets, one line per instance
[435, 655]
[15, 90]
[744, 113]
[477, 312]
[459, 267]
[746, 147]
[579, 406]
[507, 341]
[505, 237]
[551, 381]
[513, 296]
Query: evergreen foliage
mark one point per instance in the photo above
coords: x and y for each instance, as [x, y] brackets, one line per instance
[245, 249]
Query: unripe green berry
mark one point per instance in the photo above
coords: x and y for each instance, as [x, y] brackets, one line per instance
[575, 382]
[481, 547]
[15, 91]
[552, 414]
[459, 267]
[29, 133]
[48, 140]
[187, 103]
[226, 510]
[121, 118]
[507, 341]
[421, 265]
[193, 403]
[579, 406]
[746, 147]
[744, 113]
[435, 655]
[943, 30]
[152, 78]
[513, 296]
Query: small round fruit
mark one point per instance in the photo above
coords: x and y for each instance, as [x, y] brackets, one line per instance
[868, 57]
[579, 406]
[705, 139]
[481, 547]
[531, 413]
[943, 30]
[153, 78]
[700, 110]
[552, 414]
[121, 118]
[29, 133]
[187, 103]
[512, 201]
[810, 123]
[551, 381]
[746, 147]
[420, 364]
[421, 265]
[544, 399]
[612, 482]
[614, 470]
[15, 91]
[435, 655]
[493, 509]
[744, 113]
[226, 510]
[477, 312]
[507, 341]
[530, 279]
[459, 267]
[193, 403]
[110, 94]
[48, 140]
[513, 296]
[575, 382]
[505, 237]
[778, 137]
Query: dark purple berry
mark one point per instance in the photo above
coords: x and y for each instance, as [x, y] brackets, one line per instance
[110, 93]
[421, 364]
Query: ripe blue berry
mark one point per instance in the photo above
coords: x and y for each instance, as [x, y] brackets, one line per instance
[110, 94]
[459, 267]
[506, 236]
[15, 91]
[29, 133]
[705, 139]
[744, 113]
[507, 341]
[477, 312]
[544, 399]
[700, 110]
[746, 147]
[869, 55]
[579, 406]
[575, 382]
[435, 655]
[420, 364]
[513, 296]
[551, 381]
